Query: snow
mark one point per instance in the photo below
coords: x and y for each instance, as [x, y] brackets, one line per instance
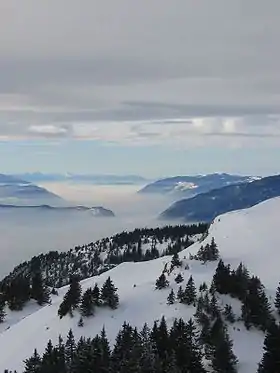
[250, 236]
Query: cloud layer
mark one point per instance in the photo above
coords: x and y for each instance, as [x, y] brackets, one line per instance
[180, 72]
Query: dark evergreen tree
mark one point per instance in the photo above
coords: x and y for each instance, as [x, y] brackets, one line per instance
[256, 310]
[203, 287]
[87, 303]
[214, 309]
[33, 364]
[271, 358]
[221, 278]
[109, 294]
[70, 349]
[71, 299]
[171, 297]
[96, 295]
[180, 294]
[239, 282]
[189, 296]
[2, 309]
[277, 299]
[54, 291]
[74, 292]
[39, 291]
[228, 313]
[81, 322]
[214, 252]
[179, 278]
[17, 292]
[175, 261]
[162, 282]
[223, 359]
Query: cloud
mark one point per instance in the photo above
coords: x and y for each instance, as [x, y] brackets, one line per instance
[185, 72]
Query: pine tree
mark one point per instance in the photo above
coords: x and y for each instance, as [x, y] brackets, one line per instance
[277, 299]
[81, 322]
[109, 294]
[214, 252]
[70, 348]
[161, 282]
[221, 278]
[203, 287]
[171, 297]
[224, 359]
[189, 296]
[74, 292]
[256, 310]
[271, 358]
[180, 294]
[175, 261]
[39, 291]
[228, 312]
[87, 303]
[2, 309]
[71, 299]
[96, 295]
[179, 278]
[33, 364]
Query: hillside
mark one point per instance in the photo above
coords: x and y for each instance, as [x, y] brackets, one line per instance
[250, 236]
[206, 206]
[96, 257]
[189, 186]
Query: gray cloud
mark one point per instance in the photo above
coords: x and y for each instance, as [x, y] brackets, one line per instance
[67, 64]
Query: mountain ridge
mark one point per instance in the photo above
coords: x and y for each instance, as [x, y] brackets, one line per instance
[206, 206]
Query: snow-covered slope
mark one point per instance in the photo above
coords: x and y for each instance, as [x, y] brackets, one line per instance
[249, 235]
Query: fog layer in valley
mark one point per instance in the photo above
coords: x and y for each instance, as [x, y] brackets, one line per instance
[26, 234]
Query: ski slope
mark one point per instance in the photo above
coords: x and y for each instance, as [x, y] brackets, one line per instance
[250, 236]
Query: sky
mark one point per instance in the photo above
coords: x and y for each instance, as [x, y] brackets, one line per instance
[153, 87]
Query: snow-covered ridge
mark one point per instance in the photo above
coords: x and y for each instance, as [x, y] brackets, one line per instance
[250, 236]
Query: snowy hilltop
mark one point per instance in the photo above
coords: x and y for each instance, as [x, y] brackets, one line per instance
[225, 283]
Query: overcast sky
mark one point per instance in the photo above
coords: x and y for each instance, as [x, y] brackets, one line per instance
[153, 87]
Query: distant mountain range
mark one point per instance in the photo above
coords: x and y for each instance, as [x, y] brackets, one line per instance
[189, 186]
[206, 206]
[98, 179]
[97, 211]
[16, 191]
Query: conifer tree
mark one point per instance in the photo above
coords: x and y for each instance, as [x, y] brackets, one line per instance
[203, 287]
[277, 300]
[81, 322]
[161, 282]
[39, 291]
[74, 292]
[179, 278]
[175, 261]
[109, 294]
[70, 348]
[214, 252]
[71, 299]
[228, 312]
[256, 310]
[271, 358]
[2, 309]
[171, 297]
[87, 303]
[223, 359]
[33, 364]
[190, 292]
[180, 294]
[96, 295]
